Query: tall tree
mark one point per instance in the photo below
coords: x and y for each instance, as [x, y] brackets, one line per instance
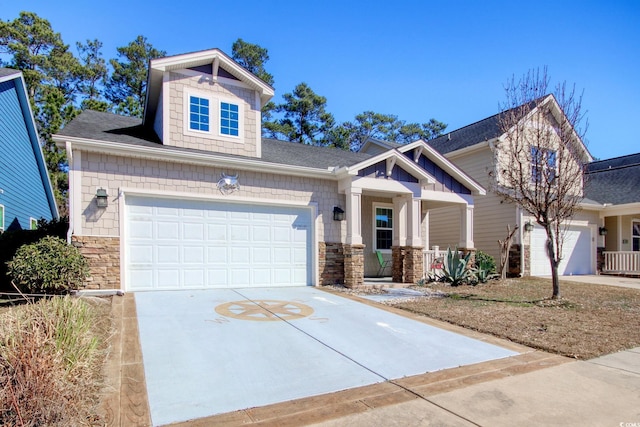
[387, 127]
[127, 87]
[252, 57]
[95, 75]
[305, 119]
[540, 161]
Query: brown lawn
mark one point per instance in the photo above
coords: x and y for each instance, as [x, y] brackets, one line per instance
[588, 321]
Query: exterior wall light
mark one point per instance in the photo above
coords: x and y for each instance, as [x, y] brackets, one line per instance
[602, 231]
[528, 226]
[102, 199]
[338, 214]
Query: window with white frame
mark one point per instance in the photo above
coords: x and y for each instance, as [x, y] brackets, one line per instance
[543, 165]
[1, 218]
[198, 113]
[635, 235]
[383, 228]
[33, 223]
[210, 117]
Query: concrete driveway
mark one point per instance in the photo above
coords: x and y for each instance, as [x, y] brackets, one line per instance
[217, 351]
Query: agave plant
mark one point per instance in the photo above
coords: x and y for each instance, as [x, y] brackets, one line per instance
[456, 269]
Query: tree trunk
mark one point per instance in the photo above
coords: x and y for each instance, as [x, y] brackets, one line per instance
[553, 261]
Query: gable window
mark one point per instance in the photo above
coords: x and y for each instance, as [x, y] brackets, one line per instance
[33, 223]
[229, 119]
[1, 218]
[198, 113]
[383, 228]
[635, 235]
[543, 165]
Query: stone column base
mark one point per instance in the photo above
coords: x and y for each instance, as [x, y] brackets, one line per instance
[413, 264]
[353, 265]
[397, 264]
[103, 254]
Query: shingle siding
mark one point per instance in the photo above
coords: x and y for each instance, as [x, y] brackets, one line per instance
[23, 194]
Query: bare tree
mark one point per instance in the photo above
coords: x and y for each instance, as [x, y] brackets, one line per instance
[540, 158]
[505, 247]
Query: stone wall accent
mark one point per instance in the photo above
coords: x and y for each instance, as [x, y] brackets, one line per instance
[331, 263]
[599, 259]
[353, 265]
[413, 264]
[103, 254]
[408, 264]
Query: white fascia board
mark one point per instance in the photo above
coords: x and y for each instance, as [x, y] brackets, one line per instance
[12, 76]
[442, 196]
[400, 160]
[445, 164]
[128, 150]
[472, 148]
[625, 209]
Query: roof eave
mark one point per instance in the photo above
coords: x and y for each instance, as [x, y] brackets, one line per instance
[123, 149]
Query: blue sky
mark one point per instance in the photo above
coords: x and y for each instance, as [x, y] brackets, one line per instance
[443, 59]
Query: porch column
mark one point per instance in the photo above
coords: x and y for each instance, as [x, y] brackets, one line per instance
[425, 238]
[353, 249]
[399, 221]
[466, 227]
[399, 238]
[414, 237]
[354, 216]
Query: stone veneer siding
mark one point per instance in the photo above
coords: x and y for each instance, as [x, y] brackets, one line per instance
[331, 263]
[103, 254]
[353, 265]
[244, 146]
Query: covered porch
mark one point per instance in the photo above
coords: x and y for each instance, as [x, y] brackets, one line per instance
[621, 232]
[392, 218]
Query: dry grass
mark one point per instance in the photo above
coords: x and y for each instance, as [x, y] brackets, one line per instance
[51, 356]
[588, 321]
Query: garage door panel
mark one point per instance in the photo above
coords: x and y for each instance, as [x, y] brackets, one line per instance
[179, 244]
[141, 229]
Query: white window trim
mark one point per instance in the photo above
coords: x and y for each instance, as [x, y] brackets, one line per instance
[374, 244]
[214, 116]
[633, 221]
[32, 220]
[2, 218]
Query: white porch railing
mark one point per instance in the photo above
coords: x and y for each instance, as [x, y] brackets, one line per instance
[429, 258]
[627, 262]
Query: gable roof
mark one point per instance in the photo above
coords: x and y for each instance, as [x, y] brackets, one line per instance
[614, 181]
[98, 126]
[7, 74]
[216, 58]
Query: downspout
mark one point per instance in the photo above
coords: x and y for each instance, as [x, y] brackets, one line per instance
[70, 192]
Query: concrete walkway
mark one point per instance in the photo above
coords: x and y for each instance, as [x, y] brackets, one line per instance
[620, 281]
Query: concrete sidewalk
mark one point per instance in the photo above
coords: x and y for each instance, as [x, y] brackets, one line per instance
[599, 392]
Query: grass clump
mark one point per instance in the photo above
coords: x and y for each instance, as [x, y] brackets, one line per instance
[51, 355]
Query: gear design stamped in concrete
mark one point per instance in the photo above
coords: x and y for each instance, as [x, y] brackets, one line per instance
[264, 310]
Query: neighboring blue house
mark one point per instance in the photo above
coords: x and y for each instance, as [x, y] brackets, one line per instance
[26, 194]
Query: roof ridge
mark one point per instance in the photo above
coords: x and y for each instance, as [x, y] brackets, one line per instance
[612, 168]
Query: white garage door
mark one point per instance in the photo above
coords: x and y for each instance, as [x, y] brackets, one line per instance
[182, 244]
[577, 254]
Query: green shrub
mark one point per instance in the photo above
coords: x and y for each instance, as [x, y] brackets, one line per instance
[48, 266]
[456, 269]
[12, 240]
[485, 267]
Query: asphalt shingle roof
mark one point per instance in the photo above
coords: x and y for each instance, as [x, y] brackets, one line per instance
[467, 136]
[110, 127]
[615, 181]
[7, 71]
